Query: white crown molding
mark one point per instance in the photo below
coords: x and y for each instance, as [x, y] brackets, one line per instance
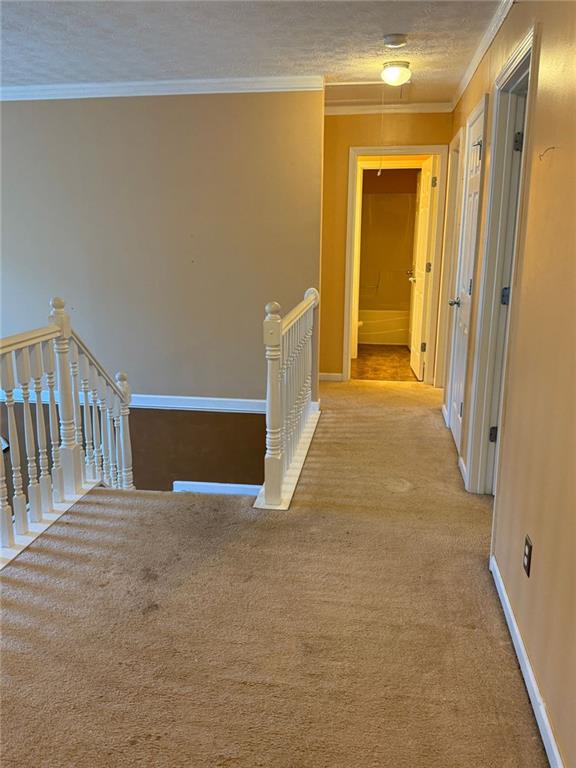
[538, 703]
[159, 88]
[379, 109]
[485, 43]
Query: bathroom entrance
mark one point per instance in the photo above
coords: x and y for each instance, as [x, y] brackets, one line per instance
[396, 203]
[387, 229]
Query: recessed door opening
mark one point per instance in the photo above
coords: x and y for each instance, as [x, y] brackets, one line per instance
[388, 224]
[394, 252]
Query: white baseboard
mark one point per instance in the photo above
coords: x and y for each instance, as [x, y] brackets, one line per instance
[331, 377]
[232, 489]
[538, 703]
[293, 474]
[463, 471]
[445, 415]
[22, 541]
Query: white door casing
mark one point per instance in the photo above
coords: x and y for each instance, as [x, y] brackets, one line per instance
[462, 300]
[388, 157]
[419, 274]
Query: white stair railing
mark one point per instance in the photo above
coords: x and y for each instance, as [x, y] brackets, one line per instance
[291, 412]
[83, 440]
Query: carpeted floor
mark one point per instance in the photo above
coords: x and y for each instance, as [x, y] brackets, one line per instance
[382, 362]
[360, 629]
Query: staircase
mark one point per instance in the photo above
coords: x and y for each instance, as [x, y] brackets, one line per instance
[65, 421]
[73, 436]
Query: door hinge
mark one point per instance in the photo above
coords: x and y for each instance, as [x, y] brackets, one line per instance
[493, 434]
[434, 181]
[518, 141]
[505, 296]
[423, 347]
[479, 145]
[428, 266]
[461, 410]
[470, 287]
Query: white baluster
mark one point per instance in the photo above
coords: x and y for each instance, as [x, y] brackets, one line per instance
[111, 438]
[93, 376]
[84, 369]
[6, 527]
[273, 459]
[18, 498]
[105, 441]
[78, 436]
[70, 455]
[127, 481]
[24, 376]
[116, 412]
[57, 474]
[45, 481]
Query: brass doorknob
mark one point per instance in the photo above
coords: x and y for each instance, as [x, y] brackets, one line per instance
[454, 302]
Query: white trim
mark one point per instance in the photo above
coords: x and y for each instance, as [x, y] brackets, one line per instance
[451, 239]
[292, 476]
[350, 108]
[331, 377]
[488, 370]
[440, 152]
[485, 43]
[227, 489]
[536, 699]
[184, 403]
[463, 471]
[445, 415]
[22, 541]
[159, 88]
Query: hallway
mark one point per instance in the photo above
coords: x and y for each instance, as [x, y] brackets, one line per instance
[360, 629]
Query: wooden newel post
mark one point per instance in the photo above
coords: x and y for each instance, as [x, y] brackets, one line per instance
[127, 479]
[70, 452]
[274, 420]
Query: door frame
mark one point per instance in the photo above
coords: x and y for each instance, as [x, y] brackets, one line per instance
[488, 377]
[481, 108]
[450, 251]
[364, 158]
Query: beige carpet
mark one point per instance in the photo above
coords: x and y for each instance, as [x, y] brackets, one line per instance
[360, 629]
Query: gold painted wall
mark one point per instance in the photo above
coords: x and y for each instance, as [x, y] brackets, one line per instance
[340, 133]
[536, 487]
[166, 223]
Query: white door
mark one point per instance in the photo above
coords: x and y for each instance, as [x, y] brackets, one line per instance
[419, 274]
[461, 301]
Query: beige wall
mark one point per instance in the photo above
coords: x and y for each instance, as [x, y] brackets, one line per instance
[387, 238]
[167, 223]
[340, 133]
[536, 487]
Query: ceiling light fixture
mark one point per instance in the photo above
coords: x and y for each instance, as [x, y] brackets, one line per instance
[395, 41]
[396, 72]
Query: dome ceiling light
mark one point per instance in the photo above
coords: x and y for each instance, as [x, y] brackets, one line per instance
[396, 72]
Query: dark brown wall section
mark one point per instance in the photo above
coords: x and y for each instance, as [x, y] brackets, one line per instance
[196, 445]
[179, 445]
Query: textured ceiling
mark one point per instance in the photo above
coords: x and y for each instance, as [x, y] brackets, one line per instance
[85, 41]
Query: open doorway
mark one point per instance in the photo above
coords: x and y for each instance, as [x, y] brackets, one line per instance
[394, 251]
[387, 229]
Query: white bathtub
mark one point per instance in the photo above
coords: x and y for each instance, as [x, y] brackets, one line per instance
[383, 326]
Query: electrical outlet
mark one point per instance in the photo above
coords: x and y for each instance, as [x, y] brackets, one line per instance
[527, 560]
